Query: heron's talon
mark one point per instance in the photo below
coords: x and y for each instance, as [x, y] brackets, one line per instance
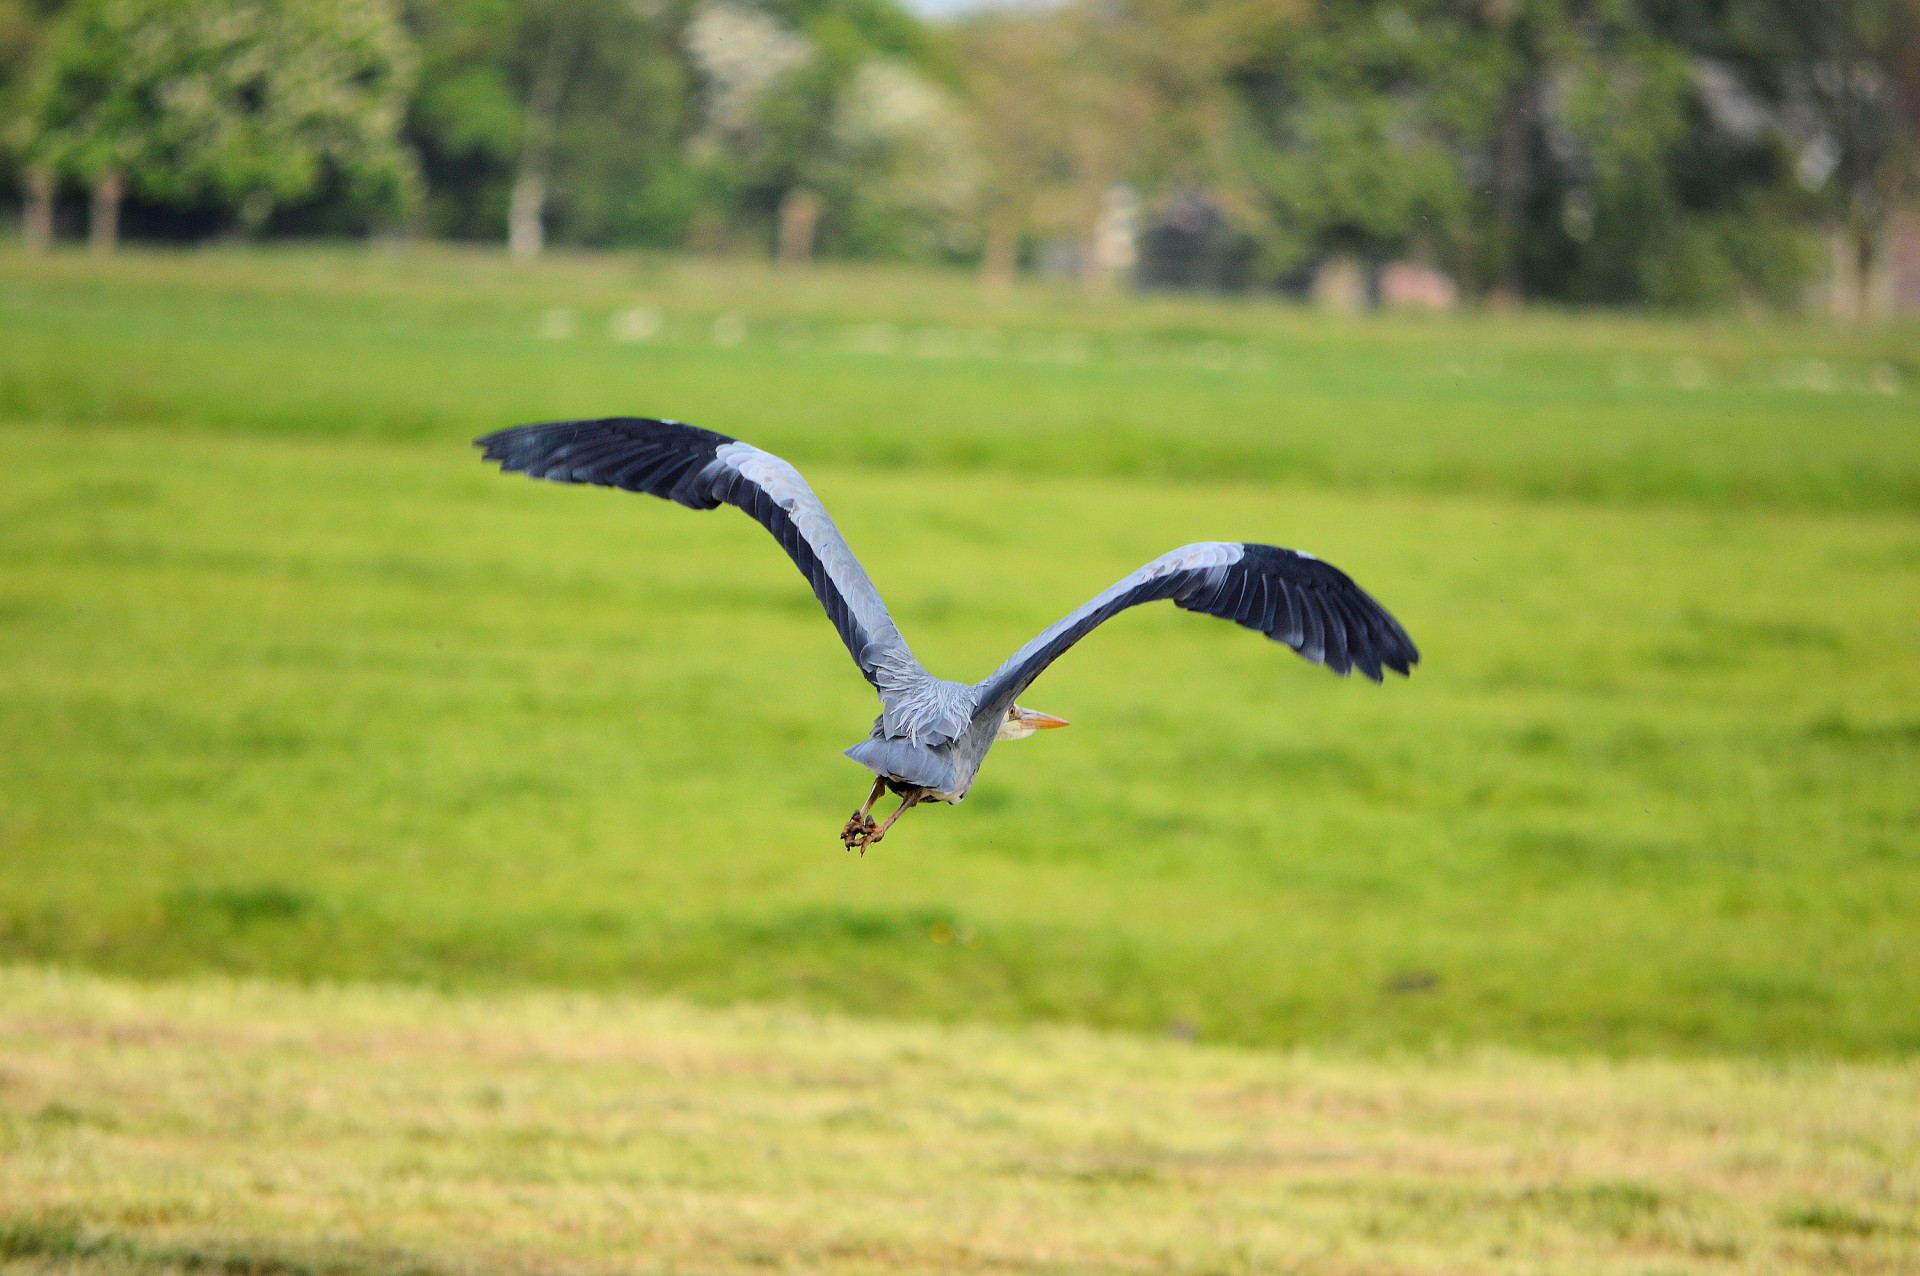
[858, 831]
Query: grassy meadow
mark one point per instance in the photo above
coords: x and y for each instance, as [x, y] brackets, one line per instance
[291, 684]
[1594, 947]
[879, 367]
[245, 1128]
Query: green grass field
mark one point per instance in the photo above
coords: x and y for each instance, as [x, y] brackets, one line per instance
[291, 684]
[876, 367]
[254, 1130]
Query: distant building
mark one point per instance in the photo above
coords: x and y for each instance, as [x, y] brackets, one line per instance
[1344, 285]
[1188, 245]
[1407, 285]
[1347, 285]
[1903, 260]
[1116, 235]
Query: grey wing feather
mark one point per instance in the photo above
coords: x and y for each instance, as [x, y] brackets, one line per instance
[701, 470]
[1292, 598]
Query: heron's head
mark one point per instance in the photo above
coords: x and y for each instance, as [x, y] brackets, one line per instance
[1021, 723]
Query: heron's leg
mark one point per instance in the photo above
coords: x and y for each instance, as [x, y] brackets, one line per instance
[861, 825]
[907, 803]
[879, 787]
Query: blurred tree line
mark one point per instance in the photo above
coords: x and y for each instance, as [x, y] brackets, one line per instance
[1674, 152]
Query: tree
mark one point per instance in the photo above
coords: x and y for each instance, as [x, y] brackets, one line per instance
[1106, 109]
[1149, 99]
[249, 102]
[620, 156]
[1842, 81]
[902, 166]
[1014, 71]
[822, 116]
[765, 97]
[270, 96]
[92, 111]
[1633, 158]
[1356, 134]
[539, 115]
[1562, 149]
[24, 28]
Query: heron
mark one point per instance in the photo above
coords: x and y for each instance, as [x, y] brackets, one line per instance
[933, 734]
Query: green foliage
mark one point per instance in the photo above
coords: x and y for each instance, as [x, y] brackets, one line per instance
[1620, 153]
[832, 102]
[1716, 262]
[466, 118]
[902, 169]
[1624, 107]
[92, 108]
[251, 104]
[620, 155]
[24, 26]
[618, 169]
[1354, 136]
[294, 685]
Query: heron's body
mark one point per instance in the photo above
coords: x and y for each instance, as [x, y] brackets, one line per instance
[933, 734]
[943, 771]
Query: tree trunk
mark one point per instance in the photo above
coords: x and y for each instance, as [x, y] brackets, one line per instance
[799, 219]
[103, 226]
[1841, 292]
[1862, 278]
[1093, 277]
[1866, 264]
[526, 229]
[526, 233]
[255, 208]
[1094, 152]
[1093, 274]
[36, 213]
[1511, 179]
[1000, 256]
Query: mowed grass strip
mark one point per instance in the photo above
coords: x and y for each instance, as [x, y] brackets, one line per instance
[918, 369]
[251, 1127]
[343, 709]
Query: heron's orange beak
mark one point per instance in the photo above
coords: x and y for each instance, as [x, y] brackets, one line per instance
[1042, 721]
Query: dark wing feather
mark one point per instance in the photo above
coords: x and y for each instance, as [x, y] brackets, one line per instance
[1292, 598]
[701, 470]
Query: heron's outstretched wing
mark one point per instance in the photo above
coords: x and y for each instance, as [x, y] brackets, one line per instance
[1293, 598]
[701, 469]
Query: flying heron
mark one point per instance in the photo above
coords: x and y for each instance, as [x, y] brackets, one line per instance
[932, 734]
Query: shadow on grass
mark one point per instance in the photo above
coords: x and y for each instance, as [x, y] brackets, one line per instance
[51, 1242]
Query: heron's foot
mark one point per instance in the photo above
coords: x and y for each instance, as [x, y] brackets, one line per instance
[860, 832]
[860, 828]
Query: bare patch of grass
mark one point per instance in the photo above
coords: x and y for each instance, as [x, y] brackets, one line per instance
[251, 1129]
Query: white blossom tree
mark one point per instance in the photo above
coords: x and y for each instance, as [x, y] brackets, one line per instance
[907, 158]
